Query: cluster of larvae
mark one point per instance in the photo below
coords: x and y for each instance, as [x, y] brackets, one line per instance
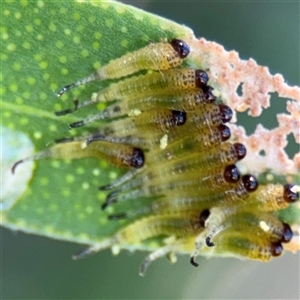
[168, 129]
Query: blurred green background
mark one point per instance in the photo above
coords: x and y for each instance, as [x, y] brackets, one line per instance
[38, 268]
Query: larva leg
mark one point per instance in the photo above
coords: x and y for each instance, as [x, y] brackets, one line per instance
[178, 245]
[157, 56]
[130, 174]
[152, 257]
[94, 249]
[69, 110]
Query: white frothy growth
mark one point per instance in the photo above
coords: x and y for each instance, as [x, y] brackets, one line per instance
[15, 146]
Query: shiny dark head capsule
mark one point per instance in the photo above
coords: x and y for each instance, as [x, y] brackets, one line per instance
[250, 182]
[180, 47]
[232, 174]
[225, 112]
[179, 117]
[290, 195]
[138, 158]
[201, 78]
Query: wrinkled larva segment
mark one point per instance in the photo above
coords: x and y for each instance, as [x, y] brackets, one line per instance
[155, 83]
[167, 127]
[118, 155]
[155, 56]
[221, 180]
[233, 243]
[179, 100]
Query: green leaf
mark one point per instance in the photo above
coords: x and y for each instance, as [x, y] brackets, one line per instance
[47, 45]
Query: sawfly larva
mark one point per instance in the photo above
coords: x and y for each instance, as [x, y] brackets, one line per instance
[156, 83]
[155, 56]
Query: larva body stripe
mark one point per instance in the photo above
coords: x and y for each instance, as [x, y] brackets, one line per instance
[245, 245]
[123, 156]
[223, 178]
[187, 144]
[191, 165]
[156, 83]
[267, 198]
[194, 186]
[181, 203]
[179, 143]
[184, 224]
[155, 56]
[146, 128]
[179, 100]
[145, 123]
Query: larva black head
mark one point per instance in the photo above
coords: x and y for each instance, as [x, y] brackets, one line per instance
[201, 78]
[203, 217]
[232, 174]
[287, 233]
[240, 150]
[225, 132]
[225, 113]
[180, 47]
[179, 117]
[207, 93]
[138, 159]
[250, 182]
[290, 193]
[276, 249]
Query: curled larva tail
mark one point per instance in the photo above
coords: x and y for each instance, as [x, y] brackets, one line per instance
[123, 156]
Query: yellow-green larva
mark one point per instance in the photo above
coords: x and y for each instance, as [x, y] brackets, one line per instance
[155, 83]
[155, 56]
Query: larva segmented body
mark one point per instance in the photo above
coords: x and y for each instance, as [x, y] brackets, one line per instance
[179, 203]
[163, 82]
[184, 224]
[180, 100]
[246, 245]
[124, 156]
[156, 83]
[196, 163]
[178, 142]
[155, 56]
[264, 225]
[220, 180]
